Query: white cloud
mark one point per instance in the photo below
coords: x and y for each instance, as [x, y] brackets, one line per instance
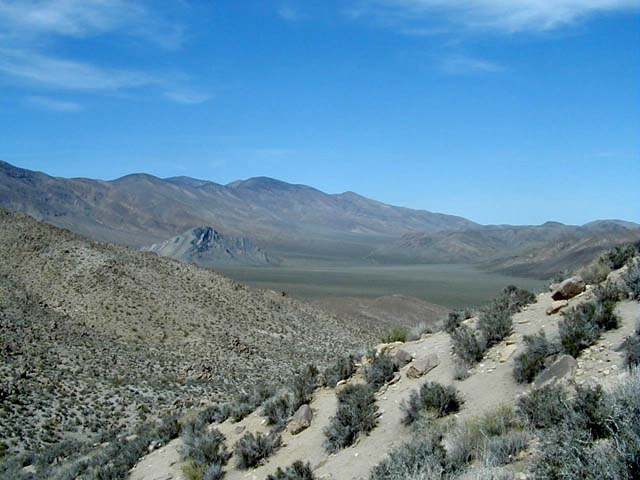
[462, 65]
[503, 15]
[289, 14]
[187, 97]
[53, 104]
[65, 74]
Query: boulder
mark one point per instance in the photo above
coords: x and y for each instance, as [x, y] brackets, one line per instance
[556, 306]
[400, 358]
[422, 366]
[300, 420]
[561, 370]
[569, 288]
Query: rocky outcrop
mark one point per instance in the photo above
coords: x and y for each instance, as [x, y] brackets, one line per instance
[562, 369]
[569, 288]
[422, 366]
[301, 420]
[556, 306]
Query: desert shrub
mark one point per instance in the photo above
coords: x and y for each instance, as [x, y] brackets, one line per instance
[591, 411]
[278, 409]
[631, 349]
[596, 272]
[631, 279]
[303, 385]
[460, 371]
[434, 398]
[501, 450]
[471, 440]
[495, 323]
[395, 334]
[578, 330]
[454, 320]
[252, 449]
[423, 458]
[380, 371]
[213, 472]
[467, 345]
[619, 256]
[530, 362]
[356, 414]
[609, 292]
[582, 325]
[297, 471]
[573, 448]
[544, 407]
[342, 369]
[513, 298]
[205, 448]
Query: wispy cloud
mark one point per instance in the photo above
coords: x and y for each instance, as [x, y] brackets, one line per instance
[63, 74]
[463, 65]
[187, 97]
[28, 29]
[503, 15]
[53, 104]
[289, 14]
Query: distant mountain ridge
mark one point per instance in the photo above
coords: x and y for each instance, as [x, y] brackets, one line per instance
[139, 210]
[206, 246]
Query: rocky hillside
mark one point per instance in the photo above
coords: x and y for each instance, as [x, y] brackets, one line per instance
[208, 247]
[96, 337]
[536, 251]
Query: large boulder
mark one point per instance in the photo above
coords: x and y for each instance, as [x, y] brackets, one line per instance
[422, 366]
[561, 370]
[569, 288]
[300, 420]
[400, 358]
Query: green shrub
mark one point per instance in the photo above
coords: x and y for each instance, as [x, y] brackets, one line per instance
[529, 363]
[342, 369]
[297, 471]
[205, 448]
[578, 330]
[434, 398]
[356, 414]
[278, 409]
[252, 449]
[631, 279]
[620, 255]
[544, 407]
[467, 345]
[303, 385]
[423, 458]
[598, 440]
[495, 323]
[395, 334]
[596, 272]
[631, 349]
[380, 371]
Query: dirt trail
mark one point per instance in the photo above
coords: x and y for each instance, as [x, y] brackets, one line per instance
[490, 384]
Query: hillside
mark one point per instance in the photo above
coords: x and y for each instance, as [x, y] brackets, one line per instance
[208, 247]
[139, 210]
[538, 251]
[96, 337]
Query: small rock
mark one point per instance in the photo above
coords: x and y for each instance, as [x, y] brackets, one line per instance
[301, 420]
[400, 358]
[562, 369]
[396, 378]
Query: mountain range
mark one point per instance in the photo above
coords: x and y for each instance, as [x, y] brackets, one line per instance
[262, 218]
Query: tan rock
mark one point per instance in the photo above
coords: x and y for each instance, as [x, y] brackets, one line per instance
[507, 351]
[422, 366]
[301, 420]
[556, 306]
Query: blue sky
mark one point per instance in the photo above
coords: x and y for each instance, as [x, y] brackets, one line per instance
[516, 111]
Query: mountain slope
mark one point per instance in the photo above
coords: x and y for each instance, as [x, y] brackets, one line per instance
[205, 246]
[538, 251]
[96, 336]
[139, 210]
